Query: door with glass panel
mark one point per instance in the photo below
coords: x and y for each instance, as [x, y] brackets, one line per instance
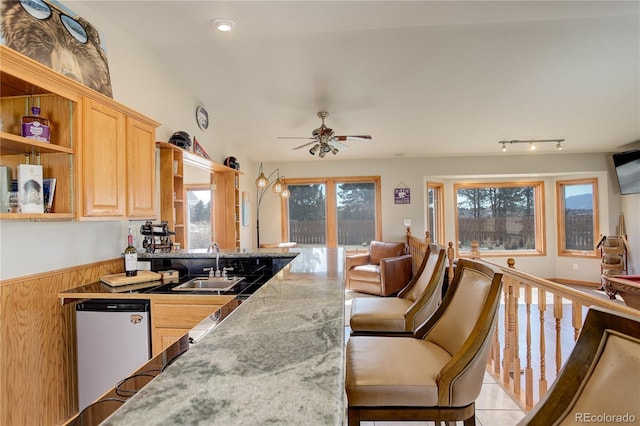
[333, 212]
[307, 214]
[355, 213]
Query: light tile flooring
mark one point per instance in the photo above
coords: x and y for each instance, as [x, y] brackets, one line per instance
[493, 407]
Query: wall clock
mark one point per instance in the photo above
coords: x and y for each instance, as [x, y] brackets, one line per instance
[202, 117]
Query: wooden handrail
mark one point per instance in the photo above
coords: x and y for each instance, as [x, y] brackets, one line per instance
[561, 290]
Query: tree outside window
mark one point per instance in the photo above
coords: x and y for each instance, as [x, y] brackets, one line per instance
[504, 218]
[199, 217]
[332, 212]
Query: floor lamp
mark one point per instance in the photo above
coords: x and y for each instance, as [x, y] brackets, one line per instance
[263, 183]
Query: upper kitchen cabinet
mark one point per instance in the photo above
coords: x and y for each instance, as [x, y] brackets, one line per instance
[117, 155]
[103, 159]
[101, 152]
[23, 84]
[141, 169]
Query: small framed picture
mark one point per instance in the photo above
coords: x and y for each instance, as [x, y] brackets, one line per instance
[198, 149]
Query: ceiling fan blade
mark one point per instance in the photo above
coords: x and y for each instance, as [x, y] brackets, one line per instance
[303, 145]
[294, 137]
[340, 146]
[361, 138]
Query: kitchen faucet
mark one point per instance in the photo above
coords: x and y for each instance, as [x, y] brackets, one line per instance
[214, 245]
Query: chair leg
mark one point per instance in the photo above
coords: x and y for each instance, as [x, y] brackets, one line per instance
[471, 421]
[353, 417]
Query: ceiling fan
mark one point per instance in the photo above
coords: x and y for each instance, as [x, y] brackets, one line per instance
[324, 139]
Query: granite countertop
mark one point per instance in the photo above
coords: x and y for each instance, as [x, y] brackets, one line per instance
[277, 359]
[202, 253]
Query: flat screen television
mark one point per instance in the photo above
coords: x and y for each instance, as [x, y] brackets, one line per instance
[627, 166]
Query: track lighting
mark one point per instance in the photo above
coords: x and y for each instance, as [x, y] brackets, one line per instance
[532, 143]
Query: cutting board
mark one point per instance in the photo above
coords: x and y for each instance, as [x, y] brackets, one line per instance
[121, 279]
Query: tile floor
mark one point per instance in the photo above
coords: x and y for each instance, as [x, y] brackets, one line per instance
[493, 407]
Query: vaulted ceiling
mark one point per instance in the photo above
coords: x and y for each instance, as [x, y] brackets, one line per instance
[423, 78]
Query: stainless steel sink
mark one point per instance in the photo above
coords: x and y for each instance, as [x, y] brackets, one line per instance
[209, 284]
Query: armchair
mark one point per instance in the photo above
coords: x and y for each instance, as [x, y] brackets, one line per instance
[385, 270]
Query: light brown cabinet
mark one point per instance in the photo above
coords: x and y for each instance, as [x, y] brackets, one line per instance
[103, 160]
[118, 164]
[101, 153]
[24, 84]
[173, 317]
[141, 169]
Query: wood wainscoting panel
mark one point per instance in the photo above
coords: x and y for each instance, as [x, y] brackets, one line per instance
[38, 378]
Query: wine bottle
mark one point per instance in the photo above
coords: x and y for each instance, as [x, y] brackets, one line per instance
[130, 258]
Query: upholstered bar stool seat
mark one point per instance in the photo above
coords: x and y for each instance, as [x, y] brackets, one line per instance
[414, 304]
[406, 373]
[383, 315]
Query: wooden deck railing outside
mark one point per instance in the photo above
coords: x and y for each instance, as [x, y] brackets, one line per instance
[539, 322]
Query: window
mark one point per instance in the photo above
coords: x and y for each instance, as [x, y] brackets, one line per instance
[435, 212]
[504, 218]
[577, 217]
[332, 211]
[198, 216]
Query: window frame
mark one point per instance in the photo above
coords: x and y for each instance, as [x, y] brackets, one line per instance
[560, 217]
[437, 234]
[331, 205]
[187, 213]
[539, 218]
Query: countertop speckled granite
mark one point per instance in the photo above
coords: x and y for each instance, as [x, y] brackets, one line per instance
[202, 253]
[278, 359]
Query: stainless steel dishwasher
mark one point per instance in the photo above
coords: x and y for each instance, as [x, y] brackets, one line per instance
[113, 339]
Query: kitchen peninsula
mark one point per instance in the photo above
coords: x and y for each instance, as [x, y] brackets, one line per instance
[277, 359]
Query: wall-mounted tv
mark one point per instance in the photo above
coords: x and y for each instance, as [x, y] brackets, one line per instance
[627, 166]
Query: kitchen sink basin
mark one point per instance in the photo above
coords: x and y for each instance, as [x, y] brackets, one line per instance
[209, 284]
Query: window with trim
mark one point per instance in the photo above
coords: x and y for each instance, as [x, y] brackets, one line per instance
[505, 218]
[577, 203]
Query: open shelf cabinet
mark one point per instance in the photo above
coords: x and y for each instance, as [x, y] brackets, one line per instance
[21, 88]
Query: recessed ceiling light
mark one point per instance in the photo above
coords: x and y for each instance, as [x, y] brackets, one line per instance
[223, 25]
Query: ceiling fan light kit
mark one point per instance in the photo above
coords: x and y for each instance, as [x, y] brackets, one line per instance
[325, 140]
